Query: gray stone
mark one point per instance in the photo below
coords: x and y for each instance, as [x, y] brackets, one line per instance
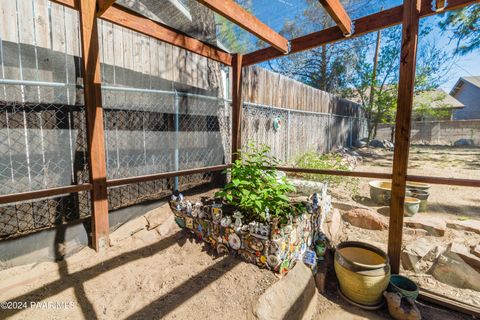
[388, 144]
[454, 271]
[476, 250]
[333, 224]
[293, 297]
[467, 225]
[464, 143]
[459, 250]
[376, 144]
[359, 144]
[434, 226]
[416, 251]
[157, 216]
[366, 219]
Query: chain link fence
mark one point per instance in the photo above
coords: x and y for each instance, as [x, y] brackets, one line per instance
[147, 131]
[291, 133]
[43, 145]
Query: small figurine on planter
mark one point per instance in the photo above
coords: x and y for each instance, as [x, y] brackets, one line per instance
[238, 220]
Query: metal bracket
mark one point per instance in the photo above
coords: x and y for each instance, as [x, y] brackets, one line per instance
[289, 48]
[434, 6]
[352, 30]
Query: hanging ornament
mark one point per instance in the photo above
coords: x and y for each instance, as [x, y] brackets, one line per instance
[277, 123]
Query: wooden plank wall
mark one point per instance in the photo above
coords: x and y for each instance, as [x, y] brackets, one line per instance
[39, 41]
[269, 88]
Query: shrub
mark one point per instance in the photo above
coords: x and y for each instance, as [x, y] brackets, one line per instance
[255, 186]
[329, 161]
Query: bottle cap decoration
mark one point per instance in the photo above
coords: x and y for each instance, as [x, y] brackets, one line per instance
[267, 244]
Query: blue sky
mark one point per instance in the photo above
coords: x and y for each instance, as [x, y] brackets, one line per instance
[280, 11]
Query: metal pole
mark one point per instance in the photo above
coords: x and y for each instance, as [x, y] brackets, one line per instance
[176, 106]
[288, 136]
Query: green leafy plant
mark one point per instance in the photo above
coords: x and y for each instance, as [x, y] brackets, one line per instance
[328, 161]
[255, 186]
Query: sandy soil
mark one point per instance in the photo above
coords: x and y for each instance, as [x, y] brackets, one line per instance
[445, 202]
[156, 274]
[144, 276]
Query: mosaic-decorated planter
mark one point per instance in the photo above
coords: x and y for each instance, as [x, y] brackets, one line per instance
[270, 245]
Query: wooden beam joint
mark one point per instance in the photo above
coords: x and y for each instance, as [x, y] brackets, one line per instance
[338, 13]
[230, 10]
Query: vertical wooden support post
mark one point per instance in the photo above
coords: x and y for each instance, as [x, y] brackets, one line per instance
[236, 104]
[94, 115]
[408, 57]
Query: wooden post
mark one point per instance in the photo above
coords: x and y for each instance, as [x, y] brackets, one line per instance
[94, 117]
[408, 57]
[236, 104]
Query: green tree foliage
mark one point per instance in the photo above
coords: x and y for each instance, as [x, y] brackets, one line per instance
[464, 27]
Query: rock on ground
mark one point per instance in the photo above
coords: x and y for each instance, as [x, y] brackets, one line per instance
[458, 249]
[293, 297]
[467, 225]
[451, 269]
[366, 219]
[476, 250]
[376, 144]
[415, 251]
[333, 223]
[464, 143]
[434, 226]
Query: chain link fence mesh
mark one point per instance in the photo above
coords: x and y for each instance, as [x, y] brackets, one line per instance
[291, 133]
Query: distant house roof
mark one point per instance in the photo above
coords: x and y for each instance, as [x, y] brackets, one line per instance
[433, 98]
[473, 80]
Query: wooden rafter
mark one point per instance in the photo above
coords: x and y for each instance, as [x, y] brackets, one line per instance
[103, 5]
[336, 10]
[406, 87]
[238, 15]
[136, 22]
[364, 25]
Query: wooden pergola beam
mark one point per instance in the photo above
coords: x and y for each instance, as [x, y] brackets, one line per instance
[94, 117]
[238, 15]
[406, 88]
[103, 5]
[136, 22]
[336, 10]
[126, 18]
[364, 25]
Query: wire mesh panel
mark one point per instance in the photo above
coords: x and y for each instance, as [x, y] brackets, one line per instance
[340, 128]
[41, 146]
[27, 216]
[266, 125]
[291, 133]
[163, 131]
[308, 132]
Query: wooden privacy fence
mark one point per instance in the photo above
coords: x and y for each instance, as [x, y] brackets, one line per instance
[264, 87]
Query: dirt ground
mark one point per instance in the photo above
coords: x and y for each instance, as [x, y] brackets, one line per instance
[445, 202]
[156, 274]
[448, 202]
